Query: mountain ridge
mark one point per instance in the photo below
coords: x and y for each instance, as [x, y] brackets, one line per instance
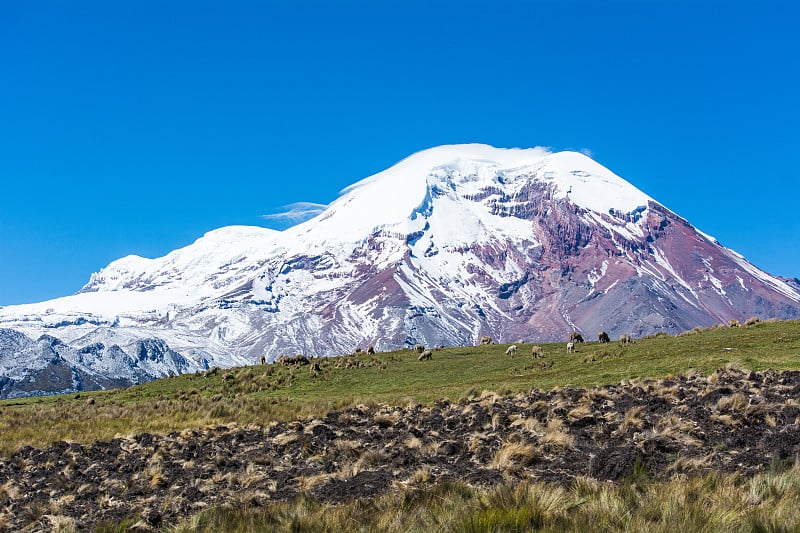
[448, 245]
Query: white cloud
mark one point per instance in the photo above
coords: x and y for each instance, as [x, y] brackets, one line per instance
[295, 213]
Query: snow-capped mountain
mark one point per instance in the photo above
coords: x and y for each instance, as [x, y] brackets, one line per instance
[448, 245]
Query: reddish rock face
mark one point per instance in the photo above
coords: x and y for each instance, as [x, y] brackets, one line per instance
[578, 271]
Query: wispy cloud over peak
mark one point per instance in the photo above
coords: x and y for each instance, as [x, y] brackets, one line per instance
[293, 214]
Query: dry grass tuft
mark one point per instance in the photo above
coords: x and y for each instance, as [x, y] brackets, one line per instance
[386, 420]
[413, 442]
[351, 449]
[725, 419]
[691, 464]
[555, 436]
[285, 438]
[539, 407]
[489, 397]
[9, 491]
[308, 483]
[582, 411]
[632, 420]
[515, 454]
[735, 402]
[420, 476]
[469, 395]
[61, 524]
[251, 476]
[678, 428]
[476, 441]
[529, 424]
[367, 460]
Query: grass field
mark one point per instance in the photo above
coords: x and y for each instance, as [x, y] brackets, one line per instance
[261, 394]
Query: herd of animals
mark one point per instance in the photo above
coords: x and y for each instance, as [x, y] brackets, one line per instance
[427, 354]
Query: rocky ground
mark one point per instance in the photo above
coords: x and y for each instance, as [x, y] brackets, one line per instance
[731, 421]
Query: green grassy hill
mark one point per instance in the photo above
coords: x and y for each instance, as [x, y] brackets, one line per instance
[262, 394]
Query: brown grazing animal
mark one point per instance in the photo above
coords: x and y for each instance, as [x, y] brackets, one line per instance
[603, 337]
[298, 359]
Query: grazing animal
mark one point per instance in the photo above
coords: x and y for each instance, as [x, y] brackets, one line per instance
[486, 340]
[419, 348]
[536, 351]
[263, 359]
[570, 347]
[603, 337]
[371, 350]
[298, 359]
[625, 339]
[353, 363]
[512, 350]
[427, 354]
[315, 369]
[576, 337]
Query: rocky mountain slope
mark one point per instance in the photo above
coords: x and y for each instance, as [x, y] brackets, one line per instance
[450, 244]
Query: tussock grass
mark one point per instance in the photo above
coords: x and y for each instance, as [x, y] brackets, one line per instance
[735, 403]
[515, 453]
[633, 420]
[767, 502]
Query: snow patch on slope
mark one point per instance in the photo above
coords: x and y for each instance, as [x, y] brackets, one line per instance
[592, 186]
[778, 285]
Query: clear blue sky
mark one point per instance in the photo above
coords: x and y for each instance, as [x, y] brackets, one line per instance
[135, 127]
